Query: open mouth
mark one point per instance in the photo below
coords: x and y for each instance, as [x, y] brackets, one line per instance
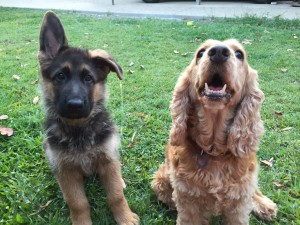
[216, 89]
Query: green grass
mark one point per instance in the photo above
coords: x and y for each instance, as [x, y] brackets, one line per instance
[26, 182]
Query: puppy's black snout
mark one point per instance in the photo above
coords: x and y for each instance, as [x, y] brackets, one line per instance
[75, 103]
[219, 54]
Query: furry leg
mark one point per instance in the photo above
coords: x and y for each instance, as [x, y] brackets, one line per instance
[110, 174]
[72, 187]
[237, 213]
[189, 211]
[263, 207]
[162, 187]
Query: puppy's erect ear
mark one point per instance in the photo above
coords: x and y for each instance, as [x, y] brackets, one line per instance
[102, 59]
[247, 127]
[52, 36]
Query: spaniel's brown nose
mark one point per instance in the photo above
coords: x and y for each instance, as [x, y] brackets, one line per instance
[219, 54]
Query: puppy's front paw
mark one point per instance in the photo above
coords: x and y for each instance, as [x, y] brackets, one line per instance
[128, 218]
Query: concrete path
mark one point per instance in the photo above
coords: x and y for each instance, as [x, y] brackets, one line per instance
[165, 9]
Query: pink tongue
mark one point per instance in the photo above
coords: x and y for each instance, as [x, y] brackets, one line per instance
[215, 88]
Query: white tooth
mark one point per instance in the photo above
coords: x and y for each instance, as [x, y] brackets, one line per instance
[224, 88]
[206, 86]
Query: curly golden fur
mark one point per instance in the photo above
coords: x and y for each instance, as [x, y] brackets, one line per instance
[210, 166]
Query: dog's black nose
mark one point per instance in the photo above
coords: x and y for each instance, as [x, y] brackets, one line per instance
[219, 54]
[75, 103]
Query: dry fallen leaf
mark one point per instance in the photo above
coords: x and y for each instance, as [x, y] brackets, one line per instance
[6, 131]
[130, 145]
[46, 205]
[16, 77]
[277, 113]
[247, 42]
[133, 136]
[105, 46]
[142, 115]
[184, 54]
[42, 207]
[176, 52]
[18, 57]
[197, 39]
[131, 71]
[268, 162]
[3, 117]
[284, 70]
[277, 184]
[287, 128]
[35, 100]
[131, 64]
[35, 81]
[290, 50]
[142, 67]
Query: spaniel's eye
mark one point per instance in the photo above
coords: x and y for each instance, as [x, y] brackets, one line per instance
[200, 53]
[239, 54]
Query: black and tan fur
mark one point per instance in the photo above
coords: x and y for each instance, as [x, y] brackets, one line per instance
[81, 139]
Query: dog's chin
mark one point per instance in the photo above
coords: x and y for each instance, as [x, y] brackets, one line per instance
[75, 122]
[214, 103]
[74, 116]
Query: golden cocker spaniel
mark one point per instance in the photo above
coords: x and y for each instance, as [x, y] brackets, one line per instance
[210, 166]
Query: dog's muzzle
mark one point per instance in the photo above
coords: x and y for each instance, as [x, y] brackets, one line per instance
[74, 108]
[216, 87]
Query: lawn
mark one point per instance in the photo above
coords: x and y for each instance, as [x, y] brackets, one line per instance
[153, 53]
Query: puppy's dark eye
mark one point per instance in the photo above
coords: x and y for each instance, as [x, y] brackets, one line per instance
[60, 76]
[88, 78]
[200, 53]
[239, 54]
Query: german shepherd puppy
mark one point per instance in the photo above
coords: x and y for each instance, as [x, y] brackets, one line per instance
[80, 137]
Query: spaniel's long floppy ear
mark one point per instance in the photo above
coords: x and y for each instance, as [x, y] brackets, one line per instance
[180, 107]
[247, 128]
[52, 37]
[102, 59]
